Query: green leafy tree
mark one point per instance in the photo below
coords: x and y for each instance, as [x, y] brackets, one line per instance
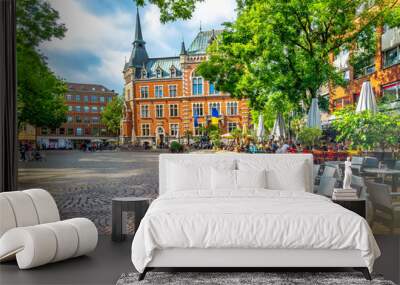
[40, 92]
[368, 131]
[112, 114]
[309, 136]
[284, 46]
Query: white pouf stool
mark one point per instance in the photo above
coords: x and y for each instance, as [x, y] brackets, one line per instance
[31, 230]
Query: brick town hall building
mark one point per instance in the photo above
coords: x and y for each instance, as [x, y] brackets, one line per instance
[164, 95]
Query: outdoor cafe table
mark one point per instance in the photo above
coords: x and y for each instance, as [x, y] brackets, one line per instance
[385, 171]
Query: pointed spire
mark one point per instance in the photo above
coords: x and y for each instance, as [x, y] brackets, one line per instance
[183, 48]
[138, 28]
[139, 54]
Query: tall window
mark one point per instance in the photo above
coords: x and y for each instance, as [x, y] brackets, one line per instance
[212, 90]
[198, 109]
[95, 109]
[214, 105]
[102, 99]
[109, 99]
[86, 99]
[86, 109]
[77, 108]
[159, 111]
[197, 85]
[79, 132]
[232, 126]
[95, 120]
[78, 98]
[69, 97]
[94, 98]
[198, 131]
[144, 92]
[391, 56]
[173, 110]
[69, 119]
[70, 108]
[78, 119]
[232, 108]
[145, 130]
[174, 130]
[172, 90]
[158, 91]
[144, 111]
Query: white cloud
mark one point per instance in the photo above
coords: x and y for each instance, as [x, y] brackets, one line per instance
[109, 36]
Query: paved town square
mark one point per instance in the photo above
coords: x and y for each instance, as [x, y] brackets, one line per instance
[84, 183]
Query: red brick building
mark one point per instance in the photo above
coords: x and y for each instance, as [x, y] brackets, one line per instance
[85, 102]
[383, 71]
[163, 95]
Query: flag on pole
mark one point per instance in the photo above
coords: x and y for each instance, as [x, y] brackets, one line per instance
[214, 112]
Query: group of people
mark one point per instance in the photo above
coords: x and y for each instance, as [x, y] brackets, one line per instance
[288, 146]
[29, 152]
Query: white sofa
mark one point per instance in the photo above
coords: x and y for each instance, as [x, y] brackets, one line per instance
[31, 230]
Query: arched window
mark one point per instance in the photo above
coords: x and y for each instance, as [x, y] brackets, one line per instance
[197, 84]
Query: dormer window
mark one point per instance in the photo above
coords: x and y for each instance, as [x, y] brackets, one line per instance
[144, 73]
[173, 71]
[159, 72]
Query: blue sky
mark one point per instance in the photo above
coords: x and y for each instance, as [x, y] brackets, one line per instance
[100, 35]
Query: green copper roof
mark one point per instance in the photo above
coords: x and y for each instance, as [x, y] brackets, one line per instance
[201, 42]
[165, 63]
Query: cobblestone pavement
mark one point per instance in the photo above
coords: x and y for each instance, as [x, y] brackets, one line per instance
[83, 183]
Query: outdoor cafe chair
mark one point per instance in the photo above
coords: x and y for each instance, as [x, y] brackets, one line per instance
[326, 186]
[397, 165]
[386, 210]
[356, 164]
[358, 183]
[316, 169]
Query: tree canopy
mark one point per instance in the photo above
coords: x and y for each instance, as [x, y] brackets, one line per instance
[40, 92]
[367, 130]
[112, 115]
[285, 46]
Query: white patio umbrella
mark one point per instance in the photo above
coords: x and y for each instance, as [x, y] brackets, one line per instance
[279, 127]
[314, 115]
[260, 128]
[366, 101]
